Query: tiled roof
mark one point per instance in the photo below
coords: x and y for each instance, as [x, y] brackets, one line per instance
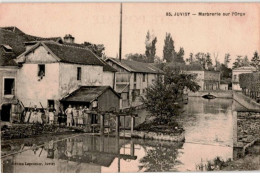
[6, 60]
[134, 66]
[70, 54]
[106, 66]
[87, 94]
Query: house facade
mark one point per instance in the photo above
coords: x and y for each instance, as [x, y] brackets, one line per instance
[51, 71]
[132, 79]
[8, 80]
[207, 80]
[235, 75]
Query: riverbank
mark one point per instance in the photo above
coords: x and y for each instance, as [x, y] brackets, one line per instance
[154, 129]
[20, 131]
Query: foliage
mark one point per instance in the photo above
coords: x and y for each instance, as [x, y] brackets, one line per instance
[160, 158]
[168, 49]
[250, 81]
[150, 51]
[255, 61]
[136, 57]
[227, 59]
[180, 56]
[204, 59]
[241, 62]
[98, 49]
[161, 99]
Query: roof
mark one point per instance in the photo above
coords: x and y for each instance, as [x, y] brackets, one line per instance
[87, 94]
[71, 54]
[246, 68]
[6, 57]
[134, 66]
[15, 38]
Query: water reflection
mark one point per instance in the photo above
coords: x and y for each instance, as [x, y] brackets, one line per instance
[208, 133]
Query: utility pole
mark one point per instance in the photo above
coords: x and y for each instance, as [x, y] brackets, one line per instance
[120, 35]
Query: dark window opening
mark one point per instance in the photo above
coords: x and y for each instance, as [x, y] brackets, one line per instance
[143, 77]
[78, 73]
[134, 77]
[51, 103]
[41, 70]
[9, 86]
[134, 86]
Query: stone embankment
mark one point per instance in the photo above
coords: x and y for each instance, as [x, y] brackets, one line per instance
[248, 131]
[180, 137]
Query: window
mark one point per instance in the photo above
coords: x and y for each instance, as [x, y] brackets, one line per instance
[51, 103]
[134, 77]
[78, 73]
[235, 77]
[143, 77]
[41, 70]
[9, 86]
[134, 86]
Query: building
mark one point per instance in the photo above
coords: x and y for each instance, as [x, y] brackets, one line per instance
[51, 71]
[132, 78]
[207, 80]
[8, 88]
[235, 75]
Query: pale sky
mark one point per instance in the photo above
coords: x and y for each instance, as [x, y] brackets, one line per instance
[99, 23]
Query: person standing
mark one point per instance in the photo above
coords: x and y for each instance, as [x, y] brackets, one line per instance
[68, 112]
[75, 115]
[51, 114]
[80, 116]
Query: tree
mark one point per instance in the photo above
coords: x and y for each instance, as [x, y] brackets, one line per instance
[161, 99]
[227, 59]
[136, 57]
[150, 45]
[241, 62]
[179, 56]
[190, 60]
[204, 59]
[168, 49]
[98, 49]
[255, 61]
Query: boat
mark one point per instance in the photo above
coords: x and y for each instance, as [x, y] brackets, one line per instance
[209, 96]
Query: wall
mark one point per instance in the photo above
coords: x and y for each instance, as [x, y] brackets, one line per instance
[217, 93]
[109, 100]
[246, 101]
[32, 90]
[6, 72]
[223, 86]
[90, 76]
[199, 79]
[108, 79]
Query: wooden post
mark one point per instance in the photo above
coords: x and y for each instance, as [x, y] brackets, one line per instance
[117, 124]
[132, 124]
[132, 148]
[101, 124]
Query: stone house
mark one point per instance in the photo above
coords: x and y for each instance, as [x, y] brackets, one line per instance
[50, 71]
[132, 78]
[235, 75]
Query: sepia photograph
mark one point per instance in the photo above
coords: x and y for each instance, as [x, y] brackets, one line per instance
[127, 87]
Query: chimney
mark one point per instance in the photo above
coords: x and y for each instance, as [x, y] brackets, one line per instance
[68, 38]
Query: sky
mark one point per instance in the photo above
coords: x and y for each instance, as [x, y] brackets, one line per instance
[99, 23]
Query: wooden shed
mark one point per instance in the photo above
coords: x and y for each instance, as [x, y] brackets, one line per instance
[103, 98]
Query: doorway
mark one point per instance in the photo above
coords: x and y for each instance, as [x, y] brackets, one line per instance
[6, 112]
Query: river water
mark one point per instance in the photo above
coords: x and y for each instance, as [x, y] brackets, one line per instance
[208, 132]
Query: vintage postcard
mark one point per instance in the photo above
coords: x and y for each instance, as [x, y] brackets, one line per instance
[129, 87]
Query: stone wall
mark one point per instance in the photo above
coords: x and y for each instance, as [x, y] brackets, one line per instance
[248, 126]
[247, 102]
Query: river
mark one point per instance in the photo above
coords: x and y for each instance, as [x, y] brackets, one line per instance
[208, 128]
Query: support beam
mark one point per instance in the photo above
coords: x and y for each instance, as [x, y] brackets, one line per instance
[117, 124]
[132, 124]
[101, 124]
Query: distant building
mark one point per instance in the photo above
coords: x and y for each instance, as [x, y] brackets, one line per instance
[132, 78]
[207, 80]
[235, 75]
